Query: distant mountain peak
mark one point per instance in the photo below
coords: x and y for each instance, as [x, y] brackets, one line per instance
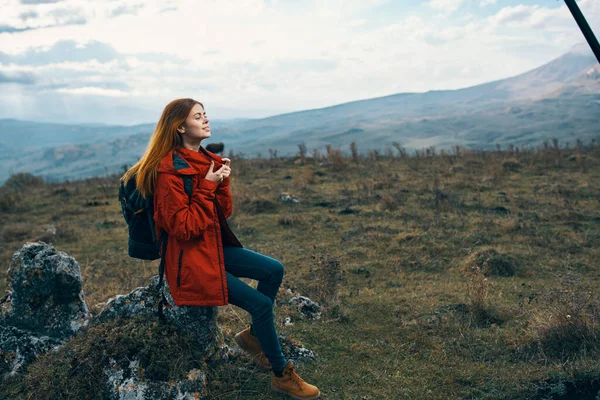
[581, 48]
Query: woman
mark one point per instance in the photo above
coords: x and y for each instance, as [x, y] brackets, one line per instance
[204, 259]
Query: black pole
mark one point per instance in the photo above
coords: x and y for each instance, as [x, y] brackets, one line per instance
[584, 26]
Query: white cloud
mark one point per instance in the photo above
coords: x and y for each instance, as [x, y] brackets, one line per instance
[255, 54]
[548, 20]
[357, 22]
[94, 91]
[484, 3]
[445, 5]
[517, 13]
[87, 66]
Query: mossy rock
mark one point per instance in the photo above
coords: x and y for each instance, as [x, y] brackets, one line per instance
[511, 164]
[458, 168]
[78, 368]
[493, 263]
[257, 206]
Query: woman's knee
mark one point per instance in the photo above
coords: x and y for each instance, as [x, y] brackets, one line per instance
[278, 269]
[262, 304]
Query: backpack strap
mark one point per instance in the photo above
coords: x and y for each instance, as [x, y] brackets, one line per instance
[150, 214]
[161, 270]
[178, 163]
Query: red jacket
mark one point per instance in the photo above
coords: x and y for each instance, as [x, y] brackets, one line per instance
[197, 229]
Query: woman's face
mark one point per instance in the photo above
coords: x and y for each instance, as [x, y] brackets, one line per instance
[197, 124]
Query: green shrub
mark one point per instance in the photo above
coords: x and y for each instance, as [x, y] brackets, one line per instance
[493, 263]
[565, 321]
[23, 179]
[511, 164]
[257, 206]
[9, 199]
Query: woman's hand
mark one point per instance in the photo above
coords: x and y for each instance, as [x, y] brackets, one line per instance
[221, 173]
[226, 171]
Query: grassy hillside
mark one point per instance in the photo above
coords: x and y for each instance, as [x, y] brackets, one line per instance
[559, 99]
[457, 275]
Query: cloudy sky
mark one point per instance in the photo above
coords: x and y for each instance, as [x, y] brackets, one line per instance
[122, 61]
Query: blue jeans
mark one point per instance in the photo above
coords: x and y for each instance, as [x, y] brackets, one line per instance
[242, 262]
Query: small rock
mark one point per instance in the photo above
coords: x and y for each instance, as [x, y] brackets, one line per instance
[307, 307]
[284, 196]
[293, 349]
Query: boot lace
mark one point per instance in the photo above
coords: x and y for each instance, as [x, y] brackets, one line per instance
[296, 379]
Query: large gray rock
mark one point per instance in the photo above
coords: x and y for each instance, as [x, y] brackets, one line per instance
[123, 381]
[201, 321]
[44, 293]
[43, 307]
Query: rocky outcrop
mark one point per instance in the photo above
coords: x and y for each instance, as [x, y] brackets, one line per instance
[45, 307]
[45, 293]
[201, 321]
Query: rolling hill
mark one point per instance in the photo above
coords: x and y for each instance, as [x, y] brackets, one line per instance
[560, 99]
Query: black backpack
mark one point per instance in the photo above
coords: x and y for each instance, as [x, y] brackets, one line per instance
[138, 212]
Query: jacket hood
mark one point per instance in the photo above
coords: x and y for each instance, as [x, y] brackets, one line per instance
[184, 161]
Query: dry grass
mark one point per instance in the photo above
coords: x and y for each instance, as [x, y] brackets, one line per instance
[564, 321]
[438, 269]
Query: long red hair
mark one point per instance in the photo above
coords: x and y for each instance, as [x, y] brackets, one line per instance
[164, 139]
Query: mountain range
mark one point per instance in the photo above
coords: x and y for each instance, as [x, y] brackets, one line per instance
[560, 100]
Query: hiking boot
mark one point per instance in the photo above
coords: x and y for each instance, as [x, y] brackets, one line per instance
[290, 383]
[249, 343]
